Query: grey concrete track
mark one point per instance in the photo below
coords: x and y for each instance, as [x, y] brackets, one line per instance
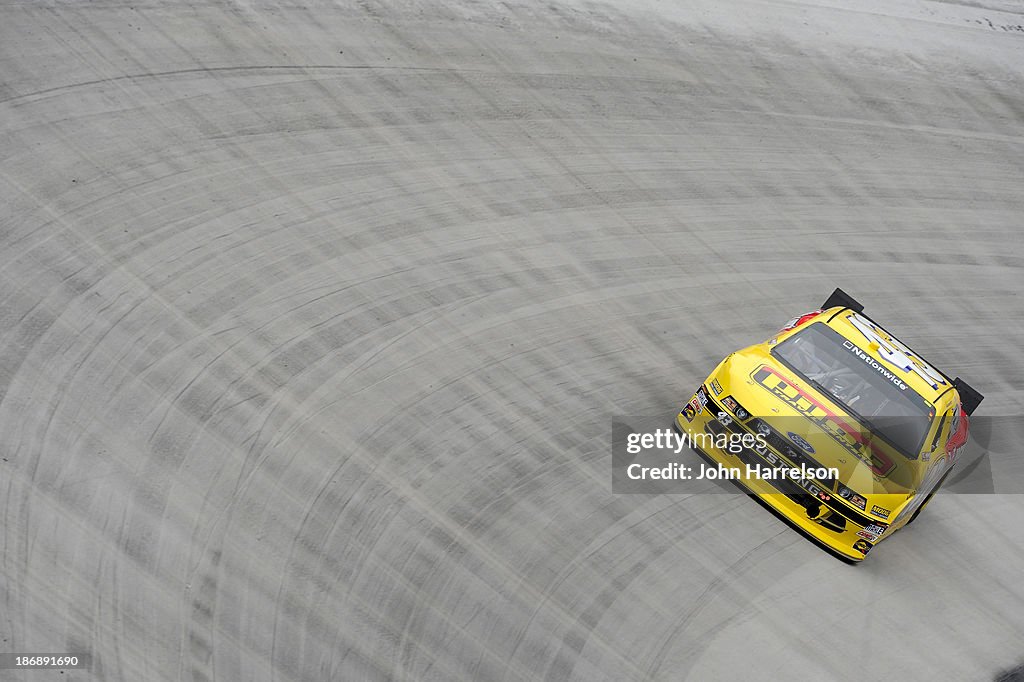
[313, 320]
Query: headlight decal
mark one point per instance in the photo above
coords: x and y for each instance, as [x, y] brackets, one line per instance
[852, 497]
[734, 406]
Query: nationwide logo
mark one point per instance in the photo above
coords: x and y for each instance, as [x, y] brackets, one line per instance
[895, 353]
[874, 364]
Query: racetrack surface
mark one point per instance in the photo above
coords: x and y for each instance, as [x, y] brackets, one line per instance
[314, 318]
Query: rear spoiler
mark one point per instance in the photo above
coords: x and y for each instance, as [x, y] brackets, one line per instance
[969, 398]
[841, 298]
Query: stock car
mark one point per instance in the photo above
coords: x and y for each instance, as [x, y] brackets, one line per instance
[834, 394]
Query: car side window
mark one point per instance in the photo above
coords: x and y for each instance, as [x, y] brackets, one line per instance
[954, 425]
[938, 432]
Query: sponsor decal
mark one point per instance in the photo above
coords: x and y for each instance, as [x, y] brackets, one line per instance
[800, 442]
[926, 456]
[874, 364]
[845, 435]
[879, 511]
[895, 353]
[716, 387]
[955, 452]
[774, 341]
[871, 532]
[702, 397]
[737, 409]
[689, 412]
[852, 497]
[862, 547]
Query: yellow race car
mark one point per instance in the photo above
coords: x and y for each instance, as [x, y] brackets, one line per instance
[847, 432]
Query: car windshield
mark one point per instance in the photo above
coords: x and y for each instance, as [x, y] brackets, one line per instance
[869, 390]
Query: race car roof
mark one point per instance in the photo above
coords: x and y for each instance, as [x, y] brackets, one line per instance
[890, 352]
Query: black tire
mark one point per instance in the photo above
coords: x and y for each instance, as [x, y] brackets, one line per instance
[921, 508]
[930, 496]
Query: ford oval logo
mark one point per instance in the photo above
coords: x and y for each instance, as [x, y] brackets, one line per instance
[800, 442]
